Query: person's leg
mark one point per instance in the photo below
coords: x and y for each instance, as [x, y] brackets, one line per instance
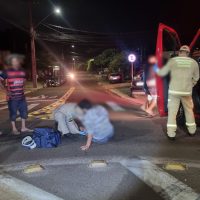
[73, 127]
[12, 107]
[145, 105]
[62, 125]
[188, 105]
[23, 111]
[152, 106]
[173, 106]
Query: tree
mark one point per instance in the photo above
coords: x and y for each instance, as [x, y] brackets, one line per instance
[103, 60]
[45, 59]
[119, 62]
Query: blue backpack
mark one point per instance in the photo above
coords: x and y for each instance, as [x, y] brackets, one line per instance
[46, 137]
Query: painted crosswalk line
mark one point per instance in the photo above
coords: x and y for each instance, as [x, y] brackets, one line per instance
[3, 107]
[167, 186]
[164, 184]
[114, 106]
[15, 189]
[31, 106]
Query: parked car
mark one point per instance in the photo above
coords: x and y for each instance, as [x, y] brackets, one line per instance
[115, 78]
[137, 83]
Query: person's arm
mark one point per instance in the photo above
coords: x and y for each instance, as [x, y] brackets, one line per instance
[88, 143]
[165, 70]
[88, 121]
[195, 74]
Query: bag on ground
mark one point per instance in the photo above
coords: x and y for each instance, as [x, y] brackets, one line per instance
[46, 137]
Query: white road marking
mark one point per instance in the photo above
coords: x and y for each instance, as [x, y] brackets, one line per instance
[32, 98]
[22, 190]
[31, 106]
[4, 107]
[167, 186]
[163, 183]
[53, 97]
[114, 106]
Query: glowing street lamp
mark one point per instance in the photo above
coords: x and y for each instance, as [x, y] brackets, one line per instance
[132, 59]
[57, 10]
[74, 64]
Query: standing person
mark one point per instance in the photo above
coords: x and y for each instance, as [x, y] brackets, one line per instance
[150, 87]
[14, 77]
[145, 106]
[96, 123]
[184, 74]
[3, 91]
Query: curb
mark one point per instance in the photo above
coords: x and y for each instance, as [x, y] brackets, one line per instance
[112, 89]
[123, 96]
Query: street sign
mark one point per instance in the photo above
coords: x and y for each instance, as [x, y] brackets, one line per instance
[132, 58]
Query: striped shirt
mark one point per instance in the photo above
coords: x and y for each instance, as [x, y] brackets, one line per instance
[15, 80]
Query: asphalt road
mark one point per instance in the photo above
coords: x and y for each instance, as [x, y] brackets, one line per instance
[136, 155]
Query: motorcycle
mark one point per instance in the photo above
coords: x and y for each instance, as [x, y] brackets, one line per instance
[50, 83]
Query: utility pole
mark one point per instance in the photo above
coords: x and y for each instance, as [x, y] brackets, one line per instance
[32, 37]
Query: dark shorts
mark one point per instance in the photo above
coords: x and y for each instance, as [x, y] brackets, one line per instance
[17, 105]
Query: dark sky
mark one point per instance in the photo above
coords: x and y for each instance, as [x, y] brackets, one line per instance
[112, 16]
[119, 16]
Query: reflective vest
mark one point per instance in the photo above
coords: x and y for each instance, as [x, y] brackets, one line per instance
[184, 74]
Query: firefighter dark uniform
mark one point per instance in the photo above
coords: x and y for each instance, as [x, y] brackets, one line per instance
[184, 74]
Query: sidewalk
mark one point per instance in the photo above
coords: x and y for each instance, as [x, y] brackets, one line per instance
[139, 99]
[120, 90]
[28, 89]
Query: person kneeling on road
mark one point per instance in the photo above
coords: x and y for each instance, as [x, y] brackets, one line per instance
[96, 123]
[65, 116]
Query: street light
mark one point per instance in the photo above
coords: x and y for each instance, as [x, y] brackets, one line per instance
[74, 64]
[132, 59]
[32, 36]
[57, 10]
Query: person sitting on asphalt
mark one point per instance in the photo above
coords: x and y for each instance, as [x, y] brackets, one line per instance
[15, 78]
[65, 116]
[96, 123]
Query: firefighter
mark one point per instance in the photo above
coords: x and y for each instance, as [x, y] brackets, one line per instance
[184, 74]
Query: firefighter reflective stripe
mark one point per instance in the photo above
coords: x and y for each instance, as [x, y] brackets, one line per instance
[171, 125]
[179, 92]
[182, 62]
[190, 124]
